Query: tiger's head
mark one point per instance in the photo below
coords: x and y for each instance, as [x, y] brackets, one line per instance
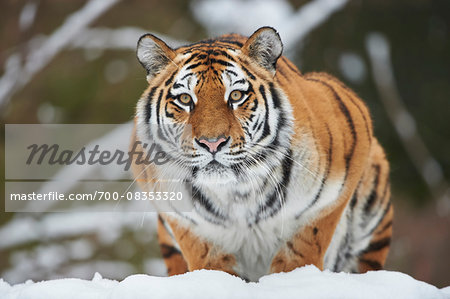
[215, 106]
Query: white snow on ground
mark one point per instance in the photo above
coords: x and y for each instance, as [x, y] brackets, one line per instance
[306, 282]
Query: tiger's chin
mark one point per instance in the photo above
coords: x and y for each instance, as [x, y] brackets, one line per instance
[215, 173]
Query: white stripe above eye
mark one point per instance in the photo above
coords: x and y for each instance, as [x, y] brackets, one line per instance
[184, 82]
[234, 79]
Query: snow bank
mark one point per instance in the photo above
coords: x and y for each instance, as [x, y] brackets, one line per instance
[306, 282]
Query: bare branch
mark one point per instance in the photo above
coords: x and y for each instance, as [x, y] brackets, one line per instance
[428, 167]
[307, 18]
[16, 76]
[124, 38]
[224, 16]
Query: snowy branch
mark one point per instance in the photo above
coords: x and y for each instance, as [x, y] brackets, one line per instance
[225, 16]
[17, 75]
[124, 38]
[307, 18]
[27, 15]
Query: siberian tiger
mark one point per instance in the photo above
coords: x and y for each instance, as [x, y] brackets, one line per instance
[284, 168]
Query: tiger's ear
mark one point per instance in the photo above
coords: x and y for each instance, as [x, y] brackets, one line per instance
[153, 54]
[264, 46]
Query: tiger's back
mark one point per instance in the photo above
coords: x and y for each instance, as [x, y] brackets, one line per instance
[291, 174]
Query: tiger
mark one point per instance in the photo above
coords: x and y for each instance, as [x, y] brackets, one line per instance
[283, 167]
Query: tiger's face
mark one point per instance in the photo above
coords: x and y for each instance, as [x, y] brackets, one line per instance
[214, 107]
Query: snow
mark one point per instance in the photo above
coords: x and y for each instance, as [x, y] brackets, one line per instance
[306, 282]
[66, 244]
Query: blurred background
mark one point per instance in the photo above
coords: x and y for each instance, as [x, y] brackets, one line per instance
[73, 62]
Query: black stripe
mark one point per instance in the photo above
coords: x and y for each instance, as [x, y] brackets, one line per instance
[266, 129]
[327, 173]
[202, 56]
[372, 264]
[166, 226]
[280, 127]
[185, 76]
[225, 53]
[168, 250]
[217, 77]
[268, 204]
[231, 72]
[194, 65]
[178, 107]
[275, 96]
[273, 202]
[206, 41]
[178, 85]
[239, 81]
[168, 114]
[282, 73]
[288, 64]
[378, 245]
[248, 72]
[385, 227]
[386, 210]
[366, 122]
[170, 79]
[351, 94]
[158, 106]
[348, 118]
[354, 199]
[148, 106]
[344, 247]
[259, 126]
[374, 193]
[191, 58]
[386, 189]
[255, 105]
[200, 199]
[230, 41]
[220, 61]
[329, 161]
[291, 247]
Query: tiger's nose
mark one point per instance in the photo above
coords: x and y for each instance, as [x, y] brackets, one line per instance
[213, 145]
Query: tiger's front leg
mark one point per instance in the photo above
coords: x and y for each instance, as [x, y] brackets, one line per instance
[196, 252]
[309, 244]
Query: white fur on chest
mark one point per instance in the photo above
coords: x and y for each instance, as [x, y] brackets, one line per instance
[253, 247]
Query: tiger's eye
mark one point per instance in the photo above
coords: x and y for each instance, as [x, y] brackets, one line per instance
[185, 99]
[235, 95]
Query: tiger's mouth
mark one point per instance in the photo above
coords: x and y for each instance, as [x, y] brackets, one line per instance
[215, 172]
[214, 165]
[215, 168]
